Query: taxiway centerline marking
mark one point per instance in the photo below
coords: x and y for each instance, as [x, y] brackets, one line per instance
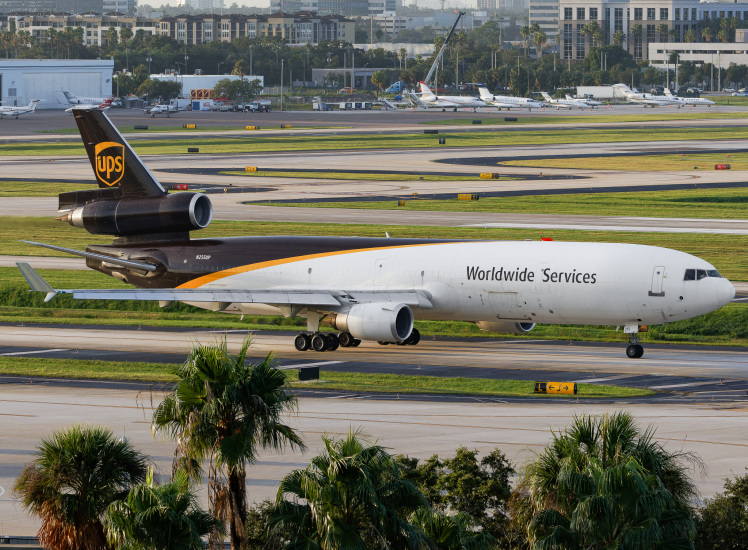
[31, 352]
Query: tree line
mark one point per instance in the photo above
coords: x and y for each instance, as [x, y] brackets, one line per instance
[600, 483]
[477, 55]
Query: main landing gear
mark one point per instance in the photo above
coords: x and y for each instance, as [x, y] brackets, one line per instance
[634, 349]
[324, 341]
[329, 341]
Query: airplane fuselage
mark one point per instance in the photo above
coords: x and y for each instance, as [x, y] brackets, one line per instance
[528, 281]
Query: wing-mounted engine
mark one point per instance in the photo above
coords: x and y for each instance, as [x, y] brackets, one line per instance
[509, 327]
[383, 322]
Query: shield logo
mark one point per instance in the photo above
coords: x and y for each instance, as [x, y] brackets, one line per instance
[110, 162]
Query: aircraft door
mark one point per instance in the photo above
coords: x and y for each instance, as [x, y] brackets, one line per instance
[658, 274]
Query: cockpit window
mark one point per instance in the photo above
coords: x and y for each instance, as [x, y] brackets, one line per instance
[698, 274]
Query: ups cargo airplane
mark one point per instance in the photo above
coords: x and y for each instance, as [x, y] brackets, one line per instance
[365, 288]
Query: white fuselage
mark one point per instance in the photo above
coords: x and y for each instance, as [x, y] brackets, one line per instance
[18, 111]
[508, 102]
[448, 101]
[537, 281]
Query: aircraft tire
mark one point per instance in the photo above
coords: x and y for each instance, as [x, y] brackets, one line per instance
[382, 343]
[356, 342]
[332, 341]
[634, 351]
[414, 337]
[346, 339]
[319, 342]
[302, 342]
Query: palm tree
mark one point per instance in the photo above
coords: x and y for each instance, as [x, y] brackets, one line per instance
[159, 517]
[706, 34]
[352, 496]
[597, 461]
[619, 37]
[623, 506]
[662, 30]
[524, 32]
[690, 36]
[223, 411]
[451, 532]
[76, 475]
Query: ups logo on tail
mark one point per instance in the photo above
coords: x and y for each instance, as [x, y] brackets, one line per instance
[110, 162]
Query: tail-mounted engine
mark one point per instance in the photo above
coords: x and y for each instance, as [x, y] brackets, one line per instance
[133, 216]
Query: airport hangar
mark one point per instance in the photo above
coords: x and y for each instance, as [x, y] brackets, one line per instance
[22, 80]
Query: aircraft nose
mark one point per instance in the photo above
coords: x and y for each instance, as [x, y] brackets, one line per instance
[725, 292]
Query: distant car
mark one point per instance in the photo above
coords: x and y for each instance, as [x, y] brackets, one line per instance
[728, 90]
[657, 90]
[347, 91]
[117, 103]
[740, 94]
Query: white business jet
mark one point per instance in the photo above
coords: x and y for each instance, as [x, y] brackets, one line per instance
[18, 111]
[103, 106]
[590, 102]
[648, 100]
[428, 98]
[690, 100]
[563, 103]
[508, 102]
[83, 102]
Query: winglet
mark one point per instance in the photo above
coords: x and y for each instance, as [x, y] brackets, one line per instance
[36, 282]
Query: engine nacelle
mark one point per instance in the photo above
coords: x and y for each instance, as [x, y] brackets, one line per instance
[383, 322]
[171, 213]
[510, 327]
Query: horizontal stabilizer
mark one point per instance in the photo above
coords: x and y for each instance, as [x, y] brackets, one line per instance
[116, 261]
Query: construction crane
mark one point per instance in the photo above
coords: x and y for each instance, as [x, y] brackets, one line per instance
[441, 51]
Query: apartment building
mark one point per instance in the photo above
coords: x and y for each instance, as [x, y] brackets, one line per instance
[296, 28]
[95, 26]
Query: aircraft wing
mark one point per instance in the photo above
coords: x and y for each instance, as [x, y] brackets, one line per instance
[333, 299]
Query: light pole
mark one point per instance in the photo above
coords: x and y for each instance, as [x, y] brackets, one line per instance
[281, 94]
[149, 59]
[218, 71]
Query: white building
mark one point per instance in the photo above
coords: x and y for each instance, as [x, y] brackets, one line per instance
[201, 4]
[719, 54]
[202, 81]
[22, 80]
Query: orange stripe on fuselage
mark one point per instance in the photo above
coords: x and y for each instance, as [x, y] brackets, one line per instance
[212, 277]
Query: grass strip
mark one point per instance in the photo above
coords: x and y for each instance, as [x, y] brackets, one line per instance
[329, 380]
[696, 113]
[38, 188]
[256, 143]
[164, 129]
[716, 249]
[726, 203]
[354, 176]
[649, 163]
